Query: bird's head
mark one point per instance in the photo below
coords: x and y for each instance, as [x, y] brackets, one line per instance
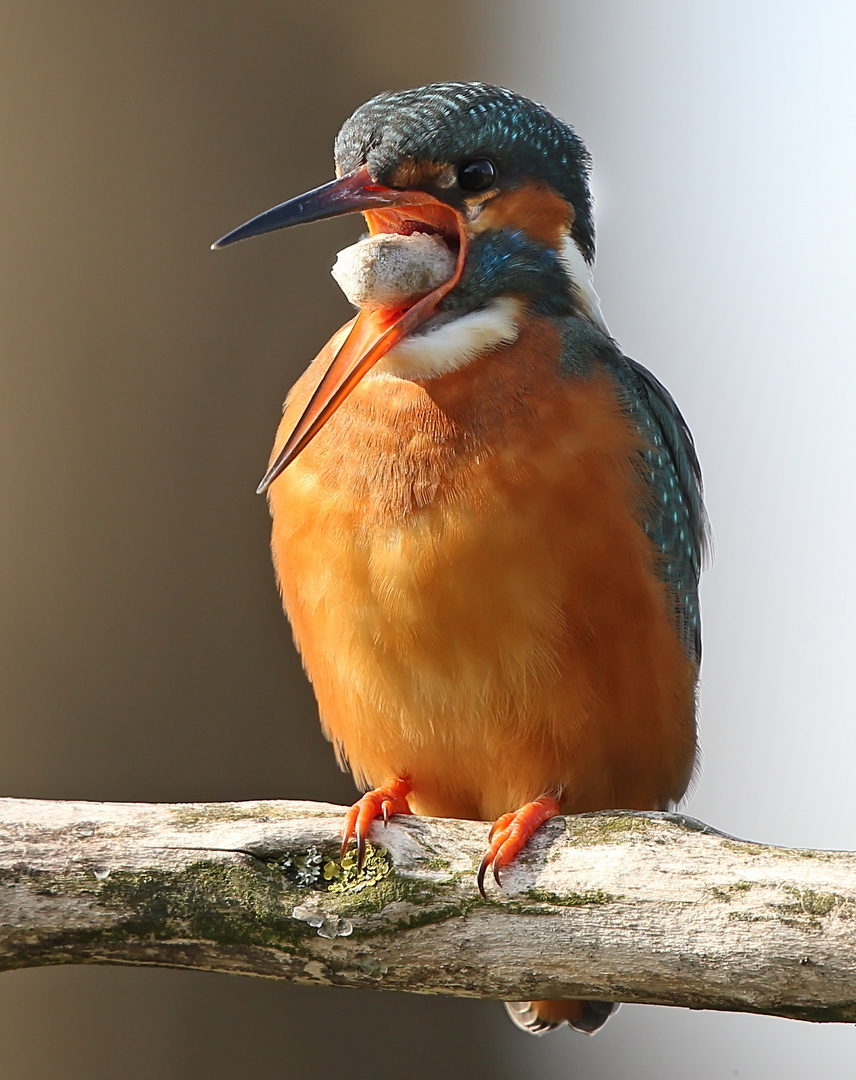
[495, 178]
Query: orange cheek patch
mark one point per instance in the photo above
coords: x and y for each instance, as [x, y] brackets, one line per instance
[536, 208]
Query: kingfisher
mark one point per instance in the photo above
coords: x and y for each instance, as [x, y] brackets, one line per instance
[487, 520]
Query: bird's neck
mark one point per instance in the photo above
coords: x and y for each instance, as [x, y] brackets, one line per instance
[508, 276]
[552, 279]
[450, 341]
[579, 270]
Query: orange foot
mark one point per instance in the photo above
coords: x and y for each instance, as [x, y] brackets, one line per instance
[510, 834]
[383, 801]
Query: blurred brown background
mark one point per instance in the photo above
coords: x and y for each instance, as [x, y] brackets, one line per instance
[144, 654]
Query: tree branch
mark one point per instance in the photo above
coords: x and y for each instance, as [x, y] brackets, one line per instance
[633, 907]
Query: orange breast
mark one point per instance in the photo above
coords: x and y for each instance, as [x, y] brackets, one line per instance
[473, 595]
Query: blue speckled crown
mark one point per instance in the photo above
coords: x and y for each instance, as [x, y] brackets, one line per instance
[453, 122]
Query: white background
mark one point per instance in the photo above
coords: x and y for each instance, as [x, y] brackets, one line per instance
[725, 176]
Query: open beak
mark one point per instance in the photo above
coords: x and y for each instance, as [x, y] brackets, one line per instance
[374, 332]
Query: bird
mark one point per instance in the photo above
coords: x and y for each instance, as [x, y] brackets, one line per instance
[487, 520]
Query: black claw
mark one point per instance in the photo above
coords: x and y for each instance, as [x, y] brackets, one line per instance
[361, 850]
[345, 843]
[480, 876]
[496, 874]
[385, 809]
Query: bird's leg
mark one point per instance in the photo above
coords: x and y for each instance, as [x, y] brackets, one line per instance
[384, 801]
[511, 832]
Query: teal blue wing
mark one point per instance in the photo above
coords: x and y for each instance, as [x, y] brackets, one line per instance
[675, 519]
[674, 514]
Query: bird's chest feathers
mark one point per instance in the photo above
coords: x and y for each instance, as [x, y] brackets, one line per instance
[426, 512]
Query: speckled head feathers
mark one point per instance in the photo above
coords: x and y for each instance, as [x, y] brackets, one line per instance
[453, 122]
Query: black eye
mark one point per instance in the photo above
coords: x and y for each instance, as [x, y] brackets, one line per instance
[476, 175]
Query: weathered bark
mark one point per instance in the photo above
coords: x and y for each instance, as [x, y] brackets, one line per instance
[632, 907]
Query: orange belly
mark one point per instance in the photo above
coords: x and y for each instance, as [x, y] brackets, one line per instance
[474, 596]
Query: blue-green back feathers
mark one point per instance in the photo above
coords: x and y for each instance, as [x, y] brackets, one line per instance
[673, 515]
[675, 519]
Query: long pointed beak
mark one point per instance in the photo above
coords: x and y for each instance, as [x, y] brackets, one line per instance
[347, 195]
[374, 332]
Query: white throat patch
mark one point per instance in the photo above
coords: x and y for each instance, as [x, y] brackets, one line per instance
[580, 273]
[446, 343]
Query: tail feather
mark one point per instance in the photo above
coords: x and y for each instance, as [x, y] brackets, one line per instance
[539, 1017]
